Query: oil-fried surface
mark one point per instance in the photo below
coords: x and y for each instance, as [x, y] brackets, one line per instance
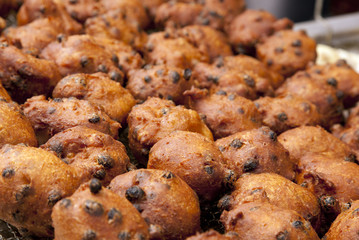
[278, 191]
[347, 220]
[194, 158]
[159, 81]
[256, 151]
[98, 89]
[287, 112]
[94, 212]
[214, 235]
[225, 114]
[318, 91]
[32, 181]
[55, 115]
[91, 153]
[252, 27]
[287, 51]
[155, 119]
[25, 76]
[265, 221]
[15, 128]
[169, 205]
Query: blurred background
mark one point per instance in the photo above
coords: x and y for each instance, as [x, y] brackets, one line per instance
[331, 22]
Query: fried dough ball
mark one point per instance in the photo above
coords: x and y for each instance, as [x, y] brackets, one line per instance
[329, 176]
[317, 91]
[157, 118]
[213, 13]
[264, 221]
[24, 75]
[287, 51]
[35, 36]
[98, 89]
[53, 9]
[91, 153]
[176, 52]
[177, 14]
[250, 70]
[194, 158]
[253, 26]
[346, 225]
[49, 117]
[2, 24]
[165, 201]
[94, 212]
[113, 24]
[207, 40]
[214, 235]
[309, 140]
[256, 151]
[15, 128]
[81, 54]
[341, 75]
[279, 191]
[122, 54]
[159, 81]
[80, 10]
[287, 112]
[32, 181]
[353, 118]
[225, 114]
[134, 11]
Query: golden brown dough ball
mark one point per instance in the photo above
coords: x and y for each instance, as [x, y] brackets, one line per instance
[287, 51]
[349, 135]
[15, 128]
[82, 54]
[113, 24]
[322, 94]
[346, 225]
[94, 212]
[207, 40]
[165, 201]
[55, 115]
[287, 112]
[214, 235]
[33, 37]
[80, 10]
[134, 11]
[53, 9]
[249, 70]
[341, 75]
[32, 181]
[263, 221]
[309, 140]
[159, 81]
[195, 159]
[98, 89]
[91, 153]
[279, 191]
[329, 176]
[177, 14]
[173, 52]
[256, 151]
[157, 118]
[123, 55]
[253, 26]
[225, 114]
[24, 76]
